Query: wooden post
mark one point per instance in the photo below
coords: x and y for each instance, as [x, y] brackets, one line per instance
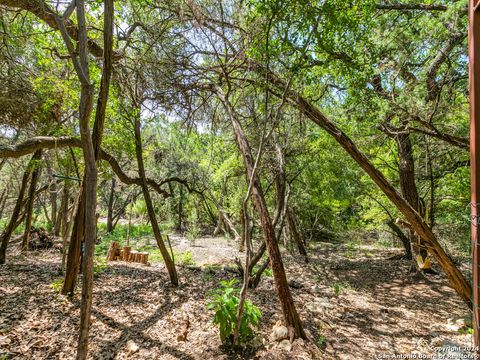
[112, 251]
[126, 252]
[474, 77]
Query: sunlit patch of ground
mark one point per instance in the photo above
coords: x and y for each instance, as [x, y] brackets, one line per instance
[355, 303]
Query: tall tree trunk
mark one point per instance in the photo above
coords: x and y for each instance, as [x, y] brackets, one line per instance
[295, 235]
[180, 220]
[170, 265]
[53, 198]
[64, 221]
[7, 233]
[408, 187]
[220, 223]
[91, 152]
[111, 199]
[61, 210]
[290, 314]
[74, 249]
[3, 200]
[31, 198]
[456, 278]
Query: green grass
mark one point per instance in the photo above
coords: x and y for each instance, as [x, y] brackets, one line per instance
[185, 258]
[267, 272]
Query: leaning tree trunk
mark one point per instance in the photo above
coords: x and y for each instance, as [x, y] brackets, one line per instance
[31, 198]
[455, 276]
[16, 210]
[290, 314]
[170, 265]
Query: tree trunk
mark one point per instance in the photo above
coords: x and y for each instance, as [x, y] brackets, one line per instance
[31, 198]
[408, 187]
[91, 153]
[290, 314]
[74, 248]
[53, 198]
[402, 237]
[64, 221]
[180, 220]
[3, 200]
[295, 235]
[111, 199]
[170, 265]
[456, 278]
[7, 233]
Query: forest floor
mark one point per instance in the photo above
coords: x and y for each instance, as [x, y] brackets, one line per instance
[355, 302]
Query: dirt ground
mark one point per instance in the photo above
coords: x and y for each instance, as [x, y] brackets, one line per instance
[354, 301]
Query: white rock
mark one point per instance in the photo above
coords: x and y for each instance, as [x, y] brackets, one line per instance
[132, 347]
[285, 345]
[279, 333]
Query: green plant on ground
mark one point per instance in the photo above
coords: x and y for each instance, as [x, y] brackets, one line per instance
[351, 249]
[192, 233]
[185, 258]
[207, 276]
[224, 301]
[339, 287]
[57, 284]
[99, 265]
[320, 340]
[267, 272]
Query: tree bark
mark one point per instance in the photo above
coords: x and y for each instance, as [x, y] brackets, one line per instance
[53, 199]
[7, 233]
[290, 314]
[402, 237]
[180, 221]
[295, 235]
[3, 200]
[91, 153]
[170, 265]
[31, 198]
[111, 199]
[64, 222]
[408, 186]
[455, 276]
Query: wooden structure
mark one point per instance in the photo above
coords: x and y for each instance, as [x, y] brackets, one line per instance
[126, 254]
[474, 77]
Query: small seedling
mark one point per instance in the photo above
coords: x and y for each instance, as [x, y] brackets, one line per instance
[224, 301]
[56, 286]
[340, 287]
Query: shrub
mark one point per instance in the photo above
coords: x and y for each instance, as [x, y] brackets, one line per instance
[224, 301]
[185, 259]
[57, 285]
[340, 287]
[99, 265]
